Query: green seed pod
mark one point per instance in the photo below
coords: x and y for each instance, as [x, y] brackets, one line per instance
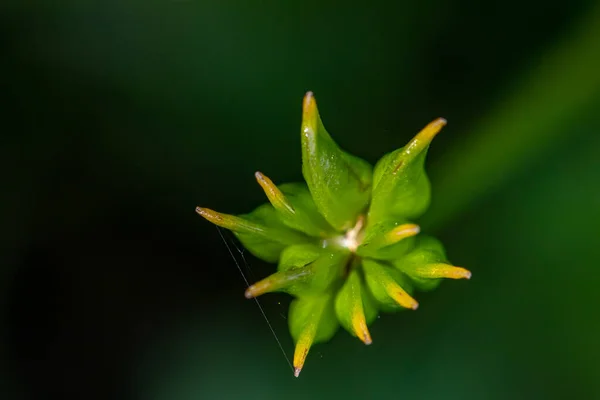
[354, 306]
[339, 182]
[345, 243]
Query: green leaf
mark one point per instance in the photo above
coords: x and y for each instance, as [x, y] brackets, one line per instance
[340, 183]
[388, 286]
[354, 307]
[401, 189]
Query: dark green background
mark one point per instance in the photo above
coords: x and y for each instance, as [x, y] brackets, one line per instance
[120, 117]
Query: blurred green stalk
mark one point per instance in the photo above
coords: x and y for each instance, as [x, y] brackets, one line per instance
[533, 118]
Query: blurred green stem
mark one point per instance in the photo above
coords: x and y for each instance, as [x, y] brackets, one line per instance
[527, 123]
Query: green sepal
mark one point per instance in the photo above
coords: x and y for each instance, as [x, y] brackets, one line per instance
[306, 218]
[373, 244]
[329, 269]
[272, 237]
[401, 188]
[340, 183]
[428, 250]
[376, 276]
[317, 310]
[298, 255]
[323, 274]
[353, 293]
[304, 270]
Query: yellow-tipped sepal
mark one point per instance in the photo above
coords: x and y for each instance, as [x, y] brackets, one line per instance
[231, 222]
[303, 345]
[295, 206]
[388, 240]
[260, 231]
[312, 320]
[389, 287]
[439, 270]
[426, 264]
[400, 186]
[400, 232]
[303, 269]
[340, 183]
[354, 306]
[280, 281]
[276, 198]
[420, 142]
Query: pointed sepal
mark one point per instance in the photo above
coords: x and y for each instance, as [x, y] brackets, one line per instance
[281, 281]
[388, 240]
[260, 231]
[340, 183]
[401, 189]
[276, 198]
[299, 255]
[440, 270]
[355, 308]
[312, 320]
[427, 264]
[388, 286]
[295, 206]
[303, 277]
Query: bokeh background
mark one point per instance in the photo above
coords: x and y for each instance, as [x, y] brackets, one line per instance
[121, 116]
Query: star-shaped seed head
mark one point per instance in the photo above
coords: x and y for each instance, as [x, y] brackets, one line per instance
[344, 241]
